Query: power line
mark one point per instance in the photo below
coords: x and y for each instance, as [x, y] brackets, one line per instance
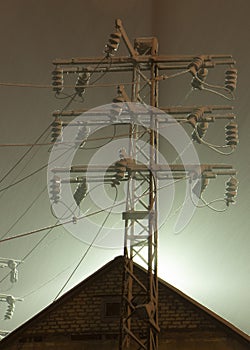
[58, 224]
[65, 143]
[25, 144]
[30, 252]
[89, 247]
[45, 283]
[33, 173]
[37, 140]
[25, 212]
[24, 178]
[41, 168]
[50, 230]
[111, 138]
[21, 170]
[40, 241]
[92, 85]
[46, 235]
[24, 155]
[75, 218]
[208, 204]
[47, 86]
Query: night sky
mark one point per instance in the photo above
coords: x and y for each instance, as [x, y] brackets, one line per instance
[209, 259]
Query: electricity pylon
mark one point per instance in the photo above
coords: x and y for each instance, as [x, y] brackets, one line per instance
[139, 309]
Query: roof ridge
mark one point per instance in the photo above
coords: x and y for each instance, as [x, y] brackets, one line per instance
[119, 259]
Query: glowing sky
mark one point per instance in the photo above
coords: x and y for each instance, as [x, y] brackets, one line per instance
[209, 260]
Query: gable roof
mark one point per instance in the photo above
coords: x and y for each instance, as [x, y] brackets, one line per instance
[105, 269]
[218, 318]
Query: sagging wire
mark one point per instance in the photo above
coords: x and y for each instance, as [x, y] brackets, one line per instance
[72, 96]
[26, 144]
[71, 215]
[45, 165]
[145, 193]
[73, 220]
[24, 178]
[66, 96]
[80, 193]
[24, 167]
[59, 224]
[62, 143]
[198, 122]
[27, 209]
[199, 73]
[66, 86]
[46, 283]
[28, 85]
[40, 241]
[109, 138]
[31, 251]
[23, 214]
[46, 235]
[34, 172]
[199, 76]
[212, 146]
[203, 83]
[206, 204]
[89, 247]
[217, 93]
[25, 154]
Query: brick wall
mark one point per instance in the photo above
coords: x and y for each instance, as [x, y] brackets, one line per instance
[78, 321]
[177, 313]
[83, 312]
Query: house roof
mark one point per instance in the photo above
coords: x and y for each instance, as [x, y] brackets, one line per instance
[118, 260]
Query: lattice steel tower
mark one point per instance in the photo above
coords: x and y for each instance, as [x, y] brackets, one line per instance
[139, 312]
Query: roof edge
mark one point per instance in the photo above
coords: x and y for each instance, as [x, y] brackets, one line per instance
[14, 334]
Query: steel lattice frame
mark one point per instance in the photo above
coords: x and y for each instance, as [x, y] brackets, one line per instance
[139, 321]
[139, 326]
